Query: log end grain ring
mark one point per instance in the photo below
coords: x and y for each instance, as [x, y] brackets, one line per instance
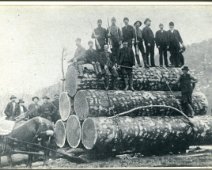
[60, 133]
[73, 131]
[81, 106]
[71, 81]
[65, 106]
[89, 134]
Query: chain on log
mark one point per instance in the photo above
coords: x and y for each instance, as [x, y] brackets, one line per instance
[73, 131]
[145, 134]
[65, 106]
[150, 79]
[93, 103]
[60, 133]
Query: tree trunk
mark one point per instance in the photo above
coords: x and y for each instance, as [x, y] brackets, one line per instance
[143, 79]
[92, 103]
[65, 106]
[145, 134]
[60, 133]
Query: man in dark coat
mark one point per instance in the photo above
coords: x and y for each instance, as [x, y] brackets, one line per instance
[128, 33]
[126, 62]
[187, 84]
[11, 109]
[139, 44]
[100, 36]
[55, 102]
[47, 109]
[149, 42]
[21, 110]
[162, 43]
[174, 44]
[33, 108]
[108, 64]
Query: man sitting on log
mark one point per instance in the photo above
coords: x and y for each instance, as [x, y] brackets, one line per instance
[187, 84]
[108, 64]
[126, 63]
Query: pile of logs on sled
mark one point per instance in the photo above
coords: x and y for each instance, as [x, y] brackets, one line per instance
[92, 117]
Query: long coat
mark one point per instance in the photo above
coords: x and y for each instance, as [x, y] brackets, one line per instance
[174, 39]
[18, 111]
[47, 110]
[33, 110]
[161, 38]
[10, 112]
[126, 57]
[148, 35]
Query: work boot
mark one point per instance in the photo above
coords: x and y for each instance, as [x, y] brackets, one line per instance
[191, 111]
[126, 84]
[131, 84]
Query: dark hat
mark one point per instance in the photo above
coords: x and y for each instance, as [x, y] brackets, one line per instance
[99, 20]
[113, 19]
[35, 97]
[160, 24]
[171, 23]
[45, 97]
[90, 42]
[138, 22]
[147, 19]
[185, 68]
[125, 18]
[13, 97]
[21, 101]
[78, 39]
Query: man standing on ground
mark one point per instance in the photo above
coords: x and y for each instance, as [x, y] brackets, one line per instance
[128, 33]
[139, 44]
[126, 62]
[149, 42]
[33, 108]
[11, 109]
[161, 43]
[100, 36]
[21, 108]
[55, 102]
[175, 43]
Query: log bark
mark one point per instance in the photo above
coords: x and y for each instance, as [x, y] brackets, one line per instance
[73, 131]
[93, 103]
[143, 79]
[65, 106]
[145, 134]
[60, 133]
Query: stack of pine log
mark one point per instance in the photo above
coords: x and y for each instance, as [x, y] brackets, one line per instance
[90, 115]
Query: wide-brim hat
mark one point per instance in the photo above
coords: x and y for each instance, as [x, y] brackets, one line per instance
[125, 18]
[13, 97]
[147, 19]
[138, 22]
[185, 68]
[45, 97]
[21, 101]
[35, 97]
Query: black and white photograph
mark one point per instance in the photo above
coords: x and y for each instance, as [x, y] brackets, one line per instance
[105, 85]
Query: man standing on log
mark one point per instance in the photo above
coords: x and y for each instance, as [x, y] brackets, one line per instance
[175, 43]
[33, 108]
[161, 42]
[79, 56]
[128, 33]
[115, 36]
[187, 84]
[126, 62]
[47, 109]
[108, 64]
[139, 44]
[149, 42]
[11, 109]
[100, 36]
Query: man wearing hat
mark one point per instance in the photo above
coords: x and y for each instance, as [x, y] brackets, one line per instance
[21, 108]
[33, 109]
[11, 109]
[149, 42]
[139, 44]
[128, 32]
[175, 43]
[187, 84]
[126, 62]
[47, 109]
[100, 36]
[114, 33]
[161, 40]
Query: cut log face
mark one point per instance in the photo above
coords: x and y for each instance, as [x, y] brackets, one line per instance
[60, 133]
[93, 103]
[144, 134]
[143, 79]
[65, 107]
[73, 131]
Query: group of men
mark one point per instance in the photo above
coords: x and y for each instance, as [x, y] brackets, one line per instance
[16, 109]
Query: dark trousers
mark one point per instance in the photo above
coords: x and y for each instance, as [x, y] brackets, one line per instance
[141, 49]
[115, 50]
[163, 55]
[150, 51]
[175, 56]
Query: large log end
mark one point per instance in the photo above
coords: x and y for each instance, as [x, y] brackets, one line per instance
[65, 107]
[60, 133]
[73, 131]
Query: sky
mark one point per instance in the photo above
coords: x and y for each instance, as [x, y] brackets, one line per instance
[32, 37]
